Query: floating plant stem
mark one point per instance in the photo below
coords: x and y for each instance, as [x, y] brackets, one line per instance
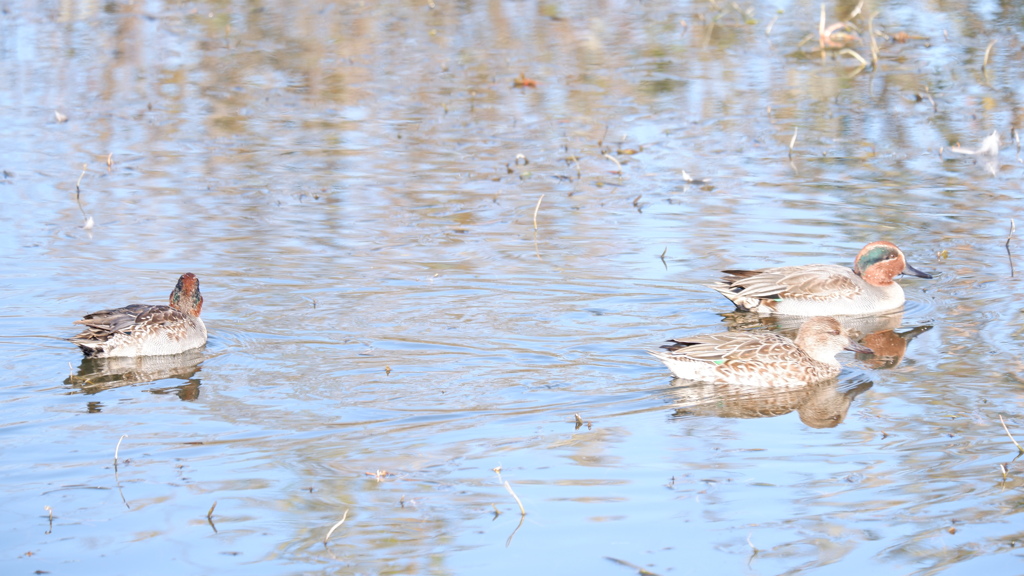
[821, 34]
[508, 487]
[535, 210]
[988, 52]
[118, 448]
[617, 163]
[874, 44]
[1019, 449]
[1013, 228]
[78, 185]
[335, 527]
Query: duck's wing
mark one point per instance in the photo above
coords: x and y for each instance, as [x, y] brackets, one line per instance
[735, 346]
[103, 324]
[810, 282]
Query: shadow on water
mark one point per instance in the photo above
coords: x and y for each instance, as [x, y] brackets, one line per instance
[96, 375]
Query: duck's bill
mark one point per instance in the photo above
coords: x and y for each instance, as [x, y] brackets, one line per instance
[858, 347]
[910, 270]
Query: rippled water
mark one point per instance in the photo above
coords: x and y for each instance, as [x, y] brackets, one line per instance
[417, 273]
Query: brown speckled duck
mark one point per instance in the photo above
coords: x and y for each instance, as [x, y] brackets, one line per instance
[761, 358]
[147, 330]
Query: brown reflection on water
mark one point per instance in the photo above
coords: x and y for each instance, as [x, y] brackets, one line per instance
[96, 375]
[882, 333]
[820, 405]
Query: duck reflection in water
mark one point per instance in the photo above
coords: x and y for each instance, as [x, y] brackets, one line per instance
[819, 405]
[98, 374]
[880, 333]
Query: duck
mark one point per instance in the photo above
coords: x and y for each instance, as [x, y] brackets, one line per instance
[823, 289]
[145, 329]
[760, 359]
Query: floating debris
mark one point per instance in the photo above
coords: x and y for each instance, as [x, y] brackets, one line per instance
[523, 82]
[987, 154]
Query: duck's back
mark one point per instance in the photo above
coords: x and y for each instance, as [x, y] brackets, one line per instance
[811, 290]
[139, 330]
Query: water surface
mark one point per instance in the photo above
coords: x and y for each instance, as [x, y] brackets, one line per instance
[416, 273]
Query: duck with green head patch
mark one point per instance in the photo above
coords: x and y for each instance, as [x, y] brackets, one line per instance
[823, 289]
[144, 329]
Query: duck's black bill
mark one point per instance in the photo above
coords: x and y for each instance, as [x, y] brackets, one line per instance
[858, 347]
[910, 270]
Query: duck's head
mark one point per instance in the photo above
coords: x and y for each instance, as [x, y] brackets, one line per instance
[822, 337]
[879, 262]
[186, 296]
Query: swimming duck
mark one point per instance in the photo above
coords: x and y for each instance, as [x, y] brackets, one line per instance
[761, 358]
[823, 289]
[144, 329]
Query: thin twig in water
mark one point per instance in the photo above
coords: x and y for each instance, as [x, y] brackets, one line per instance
[78, 198]
[617, 163]
[535, 210]
[796, 130]
[508, 487]
[858, 57]
[335, 527]
[928, 93]
[821, 34]
[209, 517]
[117, 482]
[118, 448]
[874, 44]
[1013, 227]
[639, 569]
[508, 541]
[1019, 449]
[855, 55]
[988, 52]
[856, 10]
[753, 551]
